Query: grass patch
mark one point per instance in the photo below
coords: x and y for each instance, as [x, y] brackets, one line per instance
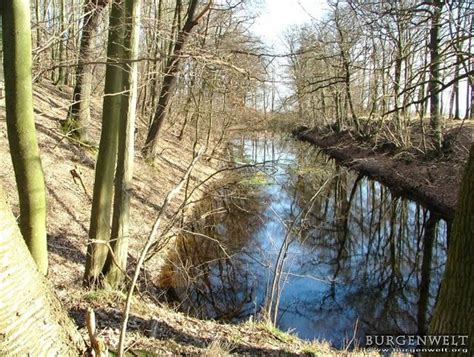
[218, 348]
[285, 337]
[317, 349]
[104, 296]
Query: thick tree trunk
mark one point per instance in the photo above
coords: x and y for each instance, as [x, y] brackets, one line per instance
[470, 102]
[79, 111]
[99, 231]
[117, 260]
[32, 320]
[455, 306]
[21, 128]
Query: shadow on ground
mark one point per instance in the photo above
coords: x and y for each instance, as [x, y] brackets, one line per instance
[167, 335]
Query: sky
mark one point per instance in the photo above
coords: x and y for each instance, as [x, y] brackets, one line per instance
[277, 16]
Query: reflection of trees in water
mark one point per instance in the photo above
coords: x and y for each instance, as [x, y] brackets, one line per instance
[202, 273]
[385, 254]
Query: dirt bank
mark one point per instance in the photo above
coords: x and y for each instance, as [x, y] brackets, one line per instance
[434, 182]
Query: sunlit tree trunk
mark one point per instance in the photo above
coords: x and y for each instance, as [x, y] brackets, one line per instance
[32, 320]
[21, 127]
[117, 260]
[454, 309]
[99, 231]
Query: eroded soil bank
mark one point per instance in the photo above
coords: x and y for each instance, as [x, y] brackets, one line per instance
[433, 182]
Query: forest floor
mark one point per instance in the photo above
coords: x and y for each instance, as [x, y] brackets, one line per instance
[153, 327]
[432, 180]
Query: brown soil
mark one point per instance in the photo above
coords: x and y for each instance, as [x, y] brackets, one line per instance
[431, 180]
[152, 327]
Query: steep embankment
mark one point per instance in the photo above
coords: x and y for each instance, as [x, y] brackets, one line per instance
[433, 182]
[152, 327]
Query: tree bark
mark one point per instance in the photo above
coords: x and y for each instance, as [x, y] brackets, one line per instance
[454, 309]
[99, 231]
[435, 75]
[62, 71]
[116, 262]
[21, 128]
[32, 320]
[79, 111]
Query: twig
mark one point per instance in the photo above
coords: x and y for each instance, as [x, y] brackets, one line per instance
[151, 239]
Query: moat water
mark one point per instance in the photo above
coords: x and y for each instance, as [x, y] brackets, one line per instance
[318, 249]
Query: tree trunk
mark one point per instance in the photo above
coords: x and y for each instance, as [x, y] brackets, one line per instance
[79, 111]
[99, 232]
[117, 260]
[169, 79]
[32, 320]
[38, 30]
[470, 100]
[435, 75]
[21, 128]
[397, 83]
[456, 298]
[62, 46]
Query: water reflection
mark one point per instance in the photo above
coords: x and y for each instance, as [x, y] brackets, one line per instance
[328, 253]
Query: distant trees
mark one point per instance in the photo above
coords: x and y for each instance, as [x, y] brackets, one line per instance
[79, 111]
[170, 72]
[21, 128]
[383, 63]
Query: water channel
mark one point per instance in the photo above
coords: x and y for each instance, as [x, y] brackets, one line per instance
[326, 253]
